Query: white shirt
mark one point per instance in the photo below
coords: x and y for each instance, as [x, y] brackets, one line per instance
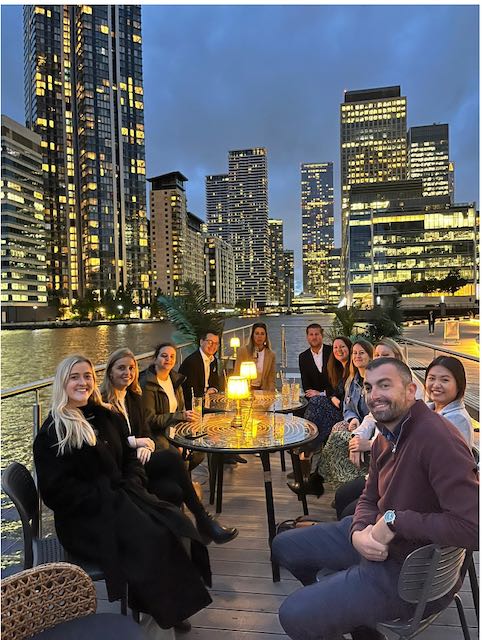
[259, 360]
[318, 358]
[168, 389]
[207, 367]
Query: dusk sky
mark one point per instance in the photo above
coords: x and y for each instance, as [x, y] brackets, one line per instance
[231, 77]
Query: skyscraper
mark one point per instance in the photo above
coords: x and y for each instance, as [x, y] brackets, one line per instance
[276, 283]
[84, 97]
[318, 226]
[373, 139]
[24, 269]
[239, 215]
[428, 158]
[220, 290]
[289, 276]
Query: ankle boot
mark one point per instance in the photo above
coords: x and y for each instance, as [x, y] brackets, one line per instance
[305, 468]
[312, 487]
[211, 530]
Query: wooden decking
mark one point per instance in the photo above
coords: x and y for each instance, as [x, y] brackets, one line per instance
[245, 599]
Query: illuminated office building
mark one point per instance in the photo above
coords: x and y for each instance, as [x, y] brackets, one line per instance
[220, 289]
[396, 237]
[318, 225]
[289, 276]
[276, 282]
[428, 159]
[84, 97]
[24, 270]
[373, 139]
[237, 211]
[334, 277]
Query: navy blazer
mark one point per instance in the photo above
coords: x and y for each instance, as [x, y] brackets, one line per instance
[193, 368]
[311, 378]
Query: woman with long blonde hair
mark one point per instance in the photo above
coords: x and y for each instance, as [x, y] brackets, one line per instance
[96, 487]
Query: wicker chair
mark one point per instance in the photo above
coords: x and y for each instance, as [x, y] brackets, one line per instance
[57, 601]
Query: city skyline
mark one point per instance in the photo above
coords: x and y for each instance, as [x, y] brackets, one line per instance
[204, 94]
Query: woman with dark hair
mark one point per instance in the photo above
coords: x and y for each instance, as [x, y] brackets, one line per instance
[445, 383]
[259, 351]
[167, 474]
[96, 487]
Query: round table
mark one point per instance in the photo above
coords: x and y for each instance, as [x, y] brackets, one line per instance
[262, 433]
[267, 401]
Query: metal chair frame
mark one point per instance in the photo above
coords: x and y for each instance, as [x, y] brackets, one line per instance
[428, 573]
[18, 484]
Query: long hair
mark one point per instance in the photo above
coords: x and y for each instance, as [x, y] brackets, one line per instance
[334, 368]
[455, 367]
[368, 347]
[251, 346]
[109, 392]
[71, 426]
[393, 346]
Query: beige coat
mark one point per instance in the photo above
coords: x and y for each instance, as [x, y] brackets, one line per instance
[269, 367]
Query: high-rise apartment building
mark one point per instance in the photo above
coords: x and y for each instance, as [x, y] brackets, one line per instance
[84, 97]
[276, 281]
[194, 257]
[400, 239]
[373, 140]
[318, 226]
[289, 276]
[168, 232]
[24, 269]
[220, 288]
[239, 215]
[428, 159]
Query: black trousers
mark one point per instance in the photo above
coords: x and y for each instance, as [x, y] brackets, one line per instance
[346, 497]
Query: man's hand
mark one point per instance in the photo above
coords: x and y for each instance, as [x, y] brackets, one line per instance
[212, 390]
[381, 532]
[367, 546]
[311, 393]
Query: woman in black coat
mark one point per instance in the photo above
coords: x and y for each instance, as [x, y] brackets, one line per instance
[167, 474]
[96, 487]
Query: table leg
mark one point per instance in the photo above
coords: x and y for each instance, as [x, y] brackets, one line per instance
[295, 458]
[219, 473]
[283, 461]
[212, 465]
[268, 488]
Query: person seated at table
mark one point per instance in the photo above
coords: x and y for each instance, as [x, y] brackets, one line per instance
[313, 364]
[200, 369]
[166, 472]
[444, 382]
[354, 410]
[258, 350]
[97, 489]
[163, 398]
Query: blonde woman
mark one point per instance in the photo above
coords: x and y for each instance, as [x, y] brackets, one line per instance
[96, 487]
[259, 351]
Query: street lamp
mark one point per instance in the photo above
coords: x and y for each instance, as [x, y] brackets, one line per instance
[121, 308]
[139, 309]
[35, 313]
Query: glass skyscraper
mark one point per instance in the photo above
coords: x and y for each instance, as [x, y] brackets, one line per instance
[84, 97]
[318, 225]
[428, 158]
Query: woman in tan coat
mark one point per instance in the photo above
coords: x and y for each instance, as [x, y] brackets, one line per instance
[259, 351]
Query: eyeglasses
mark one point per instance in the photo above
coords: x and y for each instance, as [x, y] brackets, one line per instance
[212, 342]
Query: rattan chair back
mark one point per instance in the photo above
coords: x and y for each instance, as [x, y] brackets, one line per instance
[40, 598]
[18, 484]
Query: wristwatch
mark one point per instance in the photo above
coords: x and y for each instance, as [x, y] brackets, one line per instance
[389, 519]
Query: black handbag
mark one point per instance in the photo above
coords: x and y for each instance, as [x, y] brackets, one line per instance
[297, 523]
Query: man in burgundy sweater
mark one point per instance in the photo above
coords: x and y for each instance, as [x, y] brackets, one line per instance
[422, 488]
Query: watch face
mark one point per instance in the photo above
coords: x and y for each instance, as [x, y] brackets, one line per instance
[389, 517]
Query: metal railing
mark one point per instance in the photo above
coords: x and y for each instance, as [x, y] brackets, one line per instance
[436, 349]
[226, 351]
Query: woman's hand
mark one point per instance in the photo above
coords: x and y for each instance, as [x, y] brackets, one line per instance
[145, 442]
[355, 457]
[190, 415]
[353, 424]
[143, 454]
[359, 444]
[335, 401]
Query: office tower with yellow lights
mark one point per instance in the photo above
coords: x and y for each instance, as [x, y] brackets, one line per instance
[289, 276]
[318, 226]
[373, 142]
[220, 289]
[84, 97]
[24, 268]
[428, 158]
[237, 211]
[276, 282]
[401, 241]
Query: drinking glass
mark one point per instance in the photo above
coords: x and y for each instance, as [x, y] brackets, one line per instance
[295, 392]
[197, 407]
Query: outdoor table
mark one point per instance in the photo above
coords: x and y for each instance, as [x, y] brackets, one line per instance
[267, 401]
[262, 433]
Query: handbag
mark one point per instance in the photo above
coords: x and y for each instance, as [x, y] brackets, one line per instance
[297, 523]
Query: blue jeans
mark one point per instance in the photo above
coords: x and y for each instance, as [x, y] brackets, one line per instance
[358, 593]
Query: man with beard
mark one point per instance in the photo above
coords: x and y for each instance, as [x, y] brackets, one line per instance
[422, 488]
